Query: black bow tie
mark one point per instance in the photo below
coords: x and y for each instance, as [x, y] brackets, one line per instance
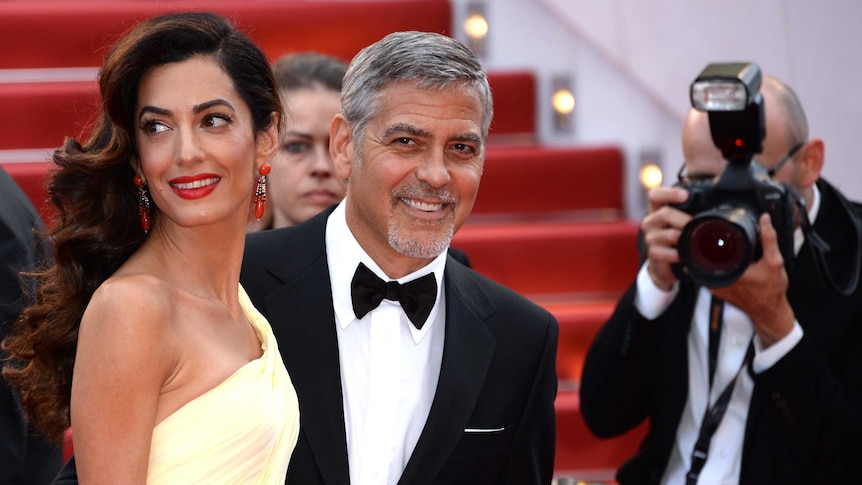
[417, 297]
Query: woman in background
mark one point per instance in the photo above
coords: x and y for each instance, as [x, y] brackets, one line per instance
[303, 181]
[141, 334]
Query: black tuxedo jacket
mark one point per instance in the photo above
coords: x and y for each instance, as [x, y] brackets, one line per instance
[805, 418]
[498, 370]
[25, 458]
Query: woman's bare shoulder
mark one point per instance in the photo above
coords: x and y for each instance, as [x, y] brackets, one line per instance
[129, 311]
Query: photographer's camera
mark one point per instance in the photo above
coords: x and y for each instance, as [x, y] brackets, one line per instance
[723, 238]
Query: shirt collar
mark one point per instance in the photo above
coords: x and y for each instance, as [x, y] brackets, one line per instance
[344, 254]
[798, 236]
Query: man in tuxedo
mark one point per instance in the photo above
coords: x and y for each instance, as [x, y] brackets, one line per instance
[451, 383]
[25, 457]
[778, 398]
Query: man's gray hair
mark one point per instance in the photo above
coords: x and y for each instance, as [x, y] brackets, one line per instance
[428, 59]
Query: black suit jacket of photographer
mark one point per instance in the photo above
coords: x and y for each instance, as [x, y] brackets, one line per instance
[805, 418]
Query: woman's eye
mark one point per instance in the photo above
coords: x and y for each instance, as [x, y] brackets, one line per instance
[295, 147]
[217, 120]
[153, 127]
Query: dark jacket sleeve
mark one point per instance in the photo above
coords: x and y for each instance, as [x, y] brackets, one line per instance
[617, 379]
[25, 457]
[638, 368]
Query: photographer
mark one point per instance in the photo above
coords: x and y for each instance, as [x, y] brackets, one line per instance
[757, 382]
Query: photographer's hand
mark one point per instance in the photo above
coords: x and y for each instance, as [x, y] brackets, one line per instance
[761, 292]
[661, 228]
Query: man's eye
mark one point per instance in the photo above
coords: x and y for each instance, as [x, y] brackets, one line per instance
[464, 150]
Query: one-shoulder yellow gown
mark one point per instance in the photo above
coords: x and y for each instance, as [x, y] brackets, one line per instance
[240, 432]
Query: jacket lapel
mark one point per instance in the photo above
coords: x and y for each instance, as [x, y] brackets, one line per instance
[467, 354]
[303, 320]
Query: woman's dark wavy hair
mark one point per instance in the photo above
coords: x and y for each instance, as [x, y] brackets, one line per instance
[97, 227]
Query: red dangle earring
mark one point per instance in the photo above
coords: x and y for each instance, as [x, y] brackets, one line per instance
[143, 203]
[260, 191]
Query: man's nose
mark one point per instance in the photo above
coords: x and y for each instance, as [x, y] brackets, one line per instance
[434, 170]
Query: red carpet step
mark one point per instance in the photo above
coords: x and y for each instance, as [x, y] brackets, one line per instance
[62, 33]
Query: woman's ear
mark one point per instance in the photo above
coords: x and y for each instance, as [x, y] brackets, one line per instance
[267, 142]
[341, 147]
[136, 167]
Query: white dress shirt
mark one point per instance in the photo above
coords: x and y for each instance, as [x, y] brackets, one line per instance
[389, 369]
[723, 463]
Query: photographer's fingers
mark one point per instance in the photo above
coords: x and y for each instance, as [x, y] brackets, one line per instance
[661, 214]
[662, 196]
[664, 218]
[769, 242]
[661, 229]
[769, 238]
[661, 244]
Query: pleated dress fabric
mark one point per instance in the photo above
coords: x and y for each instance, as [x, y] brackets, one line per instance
[242, 431]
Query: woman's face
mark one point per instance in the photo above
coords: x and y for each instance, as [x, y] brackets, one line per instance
[303, 181]
[196, 143]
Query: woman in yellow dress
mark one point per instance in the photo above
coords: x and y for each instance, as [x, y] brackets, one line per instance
[141, 337]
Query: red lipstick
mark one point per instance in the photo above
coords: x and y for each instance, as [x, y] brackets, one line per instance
[194, 186]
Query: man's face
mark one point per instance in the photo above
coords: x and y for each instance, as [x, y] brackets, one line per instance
[414, 176]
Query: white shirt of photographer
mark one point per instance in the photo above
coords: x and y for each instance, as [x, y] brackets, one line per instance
[389, 369]
[723, 463]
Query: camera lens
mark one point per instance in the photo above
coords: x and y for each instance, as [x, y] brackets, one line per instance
[716, 247]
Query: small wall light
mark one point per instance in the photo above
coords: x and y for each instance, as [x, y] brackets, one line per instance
[563, 103]
[650, 175]
[476, 28]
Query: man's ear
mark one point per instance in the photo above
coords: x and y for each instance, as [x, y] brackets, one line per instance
[341, 147]
[267, 142]
[811, 162]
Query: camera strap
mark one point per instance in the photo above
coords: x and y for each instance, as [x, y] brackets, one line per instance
[716, 311]
[819, 247]
[714, 414]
